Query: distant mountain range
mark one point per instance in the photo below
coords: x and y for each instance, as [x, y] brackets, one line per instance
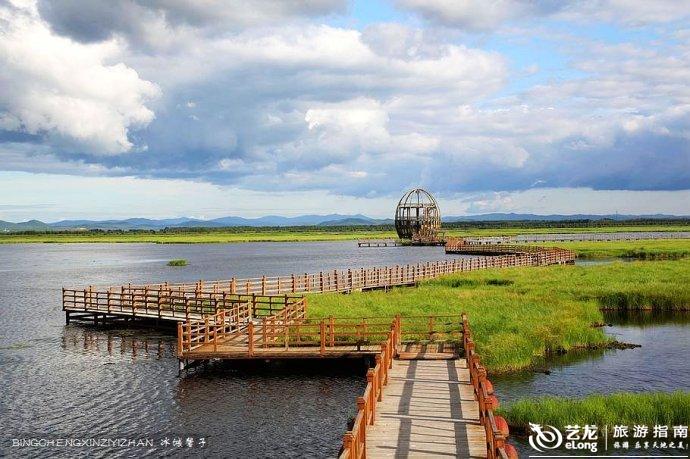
[276, 220]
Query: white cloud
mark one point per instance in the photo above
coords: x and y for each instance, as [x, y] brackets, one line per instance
[489, 14]
[50, 85]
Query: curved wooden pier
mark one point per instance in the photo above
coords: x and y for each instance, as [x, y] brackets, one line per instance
[181, 301]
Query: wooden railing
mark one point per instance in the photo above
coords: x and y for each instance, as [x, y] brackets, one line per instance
[291, 330]
[354, 441]
[167, 303]
[529, 255]
[183, 298]
[212, 329]
[495, 427]
[238, 325]
[577, 237]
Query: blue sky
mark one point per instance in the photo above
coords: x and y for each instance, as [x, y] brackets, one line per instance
[124, 108]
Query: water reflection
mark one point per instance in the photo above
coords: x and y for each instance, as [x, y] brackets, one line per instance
[649, 318]
[286, 409]
[131, 344]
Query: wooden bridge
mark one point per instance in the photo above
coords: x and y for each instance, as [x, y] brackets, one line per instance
[420, 399]
[182, 301]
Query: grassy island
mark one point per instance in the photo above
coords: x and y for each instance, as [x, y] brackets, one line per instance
[520, 315]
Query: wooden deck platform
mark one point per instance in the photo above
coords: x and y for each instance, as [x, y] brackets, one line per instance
[428, 410]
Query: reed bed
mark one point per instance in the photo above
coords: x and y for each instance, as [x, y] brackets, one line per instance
[624, 408]
[520, 315]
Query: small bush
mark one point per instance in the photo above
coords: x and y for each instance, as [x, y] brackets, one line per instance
[178, 262]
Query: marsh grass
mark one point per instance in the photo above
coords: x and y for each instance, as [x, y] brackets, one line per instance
[519, 315]
[177, 262]
[650, 408]
[306, 234]
[658, 249]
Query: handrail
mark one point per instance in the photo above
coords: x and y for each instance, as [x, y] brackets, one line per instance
[336, 280]
[167, 303]
[354, 440]
[290, 329]
[495, 427]
[544, 255]
[236, 324]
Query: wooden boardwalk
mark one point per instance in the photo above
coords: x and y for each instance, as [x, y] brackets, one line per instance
[184, 301]
[428, 410]
[379, 243]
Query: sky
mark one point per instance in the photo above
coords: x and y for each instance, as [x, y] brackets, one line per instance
[168, 108]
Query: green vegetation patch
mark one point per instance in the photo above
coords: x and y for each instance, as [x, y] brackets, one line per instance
[650, 408]
[656, 249]
[533, 312]
[178, 262]
[334, 233]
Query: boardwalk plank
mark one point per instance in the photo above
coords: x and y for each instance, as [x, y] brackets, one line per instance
[428, 410]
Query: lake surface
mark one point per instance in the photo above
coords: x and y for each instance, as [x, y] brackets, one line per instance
[660, 364]
[82, 382]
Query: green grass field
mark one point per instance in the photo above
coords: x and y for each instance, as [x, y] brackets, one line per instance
[520, 315]
[670, 409]
[294, 234]
[641, 250]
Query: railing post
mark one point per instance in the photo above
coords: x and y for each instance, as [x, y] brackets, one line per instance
[332, 331]
[189, 333]
[373, 394]
[179, 339]
[362, 406]
[206, 329]
[250, 338]
[382, 381]
[263, 285]
[263, 334]
[348, 444]
[323, 336]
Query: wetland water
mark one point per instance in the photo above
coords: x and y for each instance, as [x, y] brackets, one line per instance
[660, 364]
[82, 382]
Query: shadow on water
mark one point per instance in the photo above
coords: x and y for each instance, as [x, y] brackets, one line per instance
[646, 318]
[251, 408]
[269, 409]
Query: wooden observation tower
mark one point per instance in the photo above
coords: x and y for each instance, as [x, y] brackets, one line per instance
[418, 218]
